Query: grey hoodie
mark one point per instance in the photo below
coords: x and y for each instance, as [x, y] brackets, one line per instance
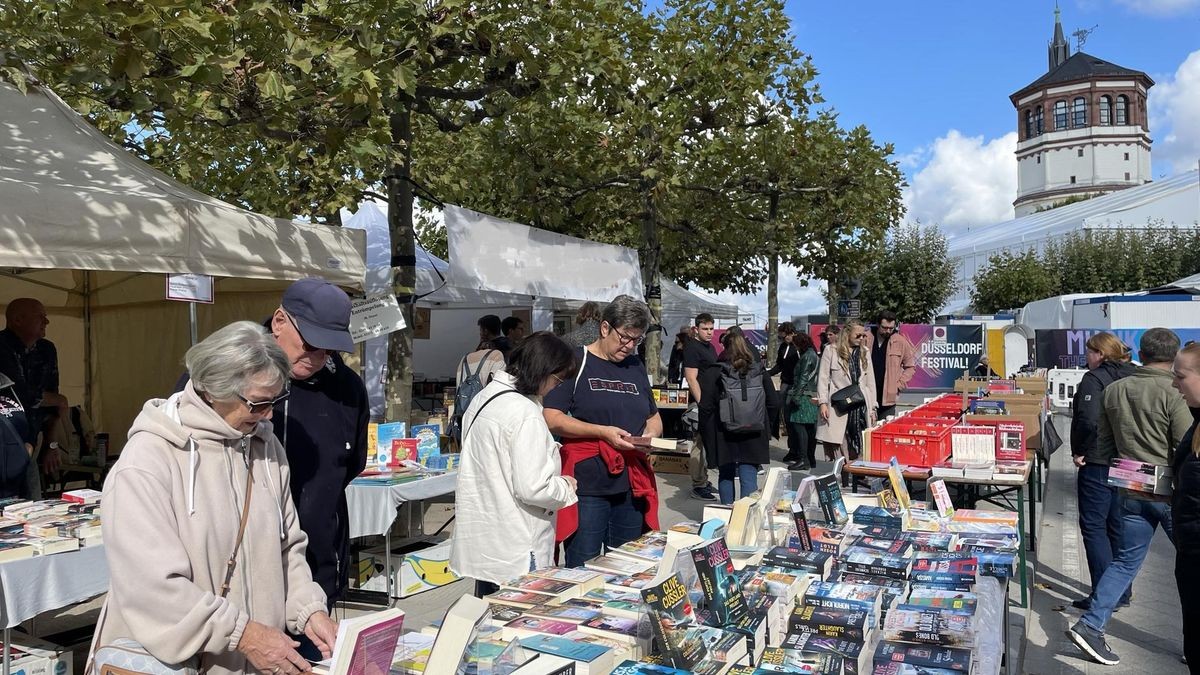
[170, 515]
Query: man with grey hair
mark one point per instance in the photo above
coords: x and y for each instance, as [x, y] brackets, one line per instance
[1142, 418]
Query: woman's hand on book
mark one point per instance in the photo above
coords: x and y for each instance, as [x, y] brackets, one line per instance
[322, 631]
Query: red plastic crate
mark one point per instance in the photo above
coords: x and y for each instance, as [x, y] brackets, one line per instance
[916, 443]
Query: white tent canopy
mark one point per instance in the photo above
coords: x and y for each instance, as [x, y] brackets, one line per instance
[1173, 201]
[89, 230]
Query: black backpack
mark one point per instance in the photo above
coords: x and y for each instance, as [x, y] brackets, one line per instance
[743, 404]
[470, 386]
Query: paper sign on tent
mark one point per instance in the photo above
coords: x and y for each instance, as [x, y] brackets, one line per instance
[375, 315]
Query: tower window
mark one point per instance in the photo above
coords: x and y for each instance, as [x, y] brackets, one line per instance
[1072, 180]
[1106, 110]
[1039, 120]
[1079, 112]
[1127, 157]
[1060, 115]
[1126, 175]
[1080, 151]
[1122, 110]
[1039, 159]
[1028, 123]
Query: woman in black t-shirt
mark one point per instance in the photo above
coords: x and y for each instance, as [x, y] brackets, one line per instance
[596, 414]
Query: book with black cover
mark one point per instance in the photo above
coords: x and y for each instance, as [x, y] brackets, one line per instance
[930, 626]
[817, 562]
[829, 495]
[722, 590]
[800, 520]
[671, 613]
[851, 624]
[924, 656]
[856, 660]
[867, 561]
[943, 571]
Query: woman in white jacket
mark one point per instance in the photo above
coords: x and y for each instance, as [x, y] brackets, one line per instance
[509, 487]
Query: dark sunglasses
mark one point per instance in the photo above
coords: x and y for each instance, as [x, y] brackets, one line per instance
[260, 407]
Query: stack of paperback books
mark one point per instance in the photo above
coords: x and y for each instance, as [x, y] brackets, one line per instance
[29, 528]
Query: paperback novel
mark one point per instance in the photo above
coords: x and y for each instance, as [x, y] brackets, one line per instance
[852, 624]
[722, 590]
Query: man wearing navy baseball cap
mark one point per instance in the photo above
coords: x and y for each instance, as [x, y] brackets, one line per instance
[322, 424]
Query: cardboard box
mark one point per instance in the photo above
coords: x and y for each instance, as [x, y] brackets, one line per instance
[31, 656]
[415, 571]
[669, 463]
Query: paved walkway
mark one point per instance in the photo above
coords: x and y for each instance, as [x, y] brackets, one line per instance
[1145, 635]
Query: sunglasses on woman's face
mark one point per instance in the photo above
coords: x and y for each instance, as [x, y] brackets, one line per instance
[260, 407]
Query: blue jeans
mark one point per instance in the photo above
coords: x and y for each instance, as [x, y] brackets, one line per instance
[1139, 519]
[1099, 520]
[604, 520]
[747, 475]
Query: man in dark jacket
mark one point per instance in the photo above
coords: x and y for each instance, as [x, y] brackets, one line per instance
[1142, 418]
[785, 367]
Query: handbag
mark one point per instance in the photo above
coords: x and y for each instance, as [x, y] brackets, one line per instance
[125, 656]
[847, 399]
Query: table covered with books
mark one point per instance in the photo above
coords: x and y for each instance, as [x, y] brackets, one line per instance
[802, 581]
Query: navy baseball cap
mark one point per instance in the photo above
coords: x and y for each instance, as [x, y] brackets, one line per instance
[321, 312]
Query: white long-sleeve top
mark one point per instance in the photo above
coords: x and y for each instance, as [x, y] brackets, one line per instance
[509, 487]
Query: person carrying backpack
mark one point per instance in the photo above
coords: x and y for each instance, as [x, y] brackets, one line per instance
[743, 400]
[474, 373]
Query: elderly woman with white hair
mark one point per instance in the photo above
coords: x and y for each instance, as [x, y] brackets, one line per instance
[204, 546]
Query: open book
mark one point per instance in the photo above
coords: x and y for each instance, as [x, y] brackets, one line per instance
[365, 645]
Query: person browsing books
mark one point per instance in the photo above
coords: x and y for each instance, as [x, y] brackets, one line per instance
[203, 542]
[509, 482]
[844, 364]
[607, 400]
[737, 453]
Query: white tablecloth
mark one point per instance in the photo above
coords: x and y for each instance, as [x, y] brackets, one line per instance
[39, 584]
[373, 507]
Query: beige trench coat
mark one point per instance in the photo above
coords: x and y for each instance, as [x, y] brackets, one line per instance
[832, 376]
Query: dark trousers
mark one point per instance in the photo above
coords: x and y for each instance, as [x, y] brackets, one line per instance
[885, 411]
[1099, 520]
[604, 520]
[1189, 598]
[806, 441]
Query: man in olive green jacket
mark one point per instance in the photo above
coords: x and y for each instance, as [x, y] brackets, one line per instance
[1142, 418]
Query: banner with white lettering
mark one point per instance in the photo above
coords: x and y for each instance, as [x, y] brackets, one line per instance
[1067, 347]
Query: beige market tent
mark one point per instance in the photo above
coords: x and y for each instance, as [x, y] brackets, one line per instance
[91, 231]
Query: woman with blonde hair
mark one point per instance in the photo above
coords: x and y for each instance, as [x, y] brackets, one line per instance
[1185, 506]
[1099, 511]
[842, 417]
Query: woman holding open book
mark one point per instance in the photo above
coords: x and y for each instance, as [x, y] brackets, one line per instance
[509, 482]
[846, 394]
[204, 547]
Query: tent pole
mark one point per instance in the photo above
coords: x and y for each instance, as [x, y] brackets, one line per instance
[87, 343]
[194, 323]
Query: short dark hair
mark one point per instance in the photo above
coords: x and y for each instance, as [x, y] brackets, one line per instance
[539, 356]
[1158, 345]
[490, 323]
[510, 323]
[786, 328]
[802, 342]
[886, 315]
[704, 317]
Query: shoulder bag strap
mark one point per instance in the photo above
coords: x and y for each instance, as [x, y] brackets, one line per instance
[229, 566]
[482, 361]
[485, 404]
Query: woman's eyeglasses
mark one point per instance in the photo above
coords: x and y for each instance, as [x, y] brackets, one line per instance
[260, 407]
[629, 339]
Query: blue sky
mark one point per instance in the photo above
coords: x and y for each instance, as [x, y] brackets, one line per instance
[933, 78]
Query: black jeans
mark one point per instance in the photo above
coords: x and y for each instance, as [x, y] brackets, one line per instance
[806, 441]
[1189, 598]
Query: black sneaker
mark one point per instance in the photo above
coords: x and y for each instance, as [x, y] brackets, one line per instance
[798, 466]
[1083, 603]
[1091, 641]
[704, 494]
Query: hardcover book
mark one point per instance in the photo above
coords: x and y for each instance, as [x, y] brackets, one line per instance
[930, 626]
[429, 440]
[722, 591]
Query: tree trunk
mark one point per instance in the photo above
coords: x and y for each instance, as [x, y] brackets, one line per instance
[651, 267]
[773, 284]
[404, 266]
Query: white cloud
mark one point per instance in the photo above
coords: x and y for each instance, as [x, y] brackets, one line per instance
[1175, 114]
[967, 182]
[1159, 7]
[794, 299]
